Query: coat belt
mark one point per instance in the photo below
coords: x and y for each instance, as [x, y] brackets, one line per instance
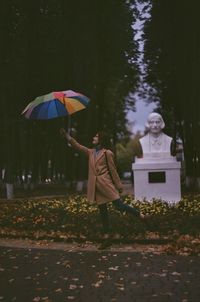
[98, 174]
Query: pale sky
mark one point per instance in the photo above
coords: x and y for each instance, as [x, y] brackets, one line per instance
[139, 118]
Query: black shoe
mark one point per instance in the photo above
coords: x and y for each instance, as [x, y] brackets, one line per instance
[105, 244]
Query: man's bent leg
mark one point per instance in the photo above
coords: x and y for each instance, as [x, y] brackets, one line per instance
[123, 207]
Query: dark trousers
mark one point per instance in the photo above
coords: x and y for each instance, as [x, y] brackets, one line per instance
[120, 206]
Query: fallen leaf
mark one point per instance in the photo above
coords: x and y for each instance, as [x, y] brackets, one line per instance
[72, 286]
[58, 290]
[176, 274]
[36, 299]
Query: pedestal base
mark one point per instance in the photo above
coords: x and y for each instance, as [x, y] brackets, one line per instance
[157, 180]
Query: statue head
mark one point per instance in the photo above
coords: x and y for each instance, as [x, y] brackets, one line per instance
[155, 123]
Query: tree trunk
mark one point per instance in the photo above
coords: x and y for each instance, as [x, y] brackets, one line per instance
[9, 191]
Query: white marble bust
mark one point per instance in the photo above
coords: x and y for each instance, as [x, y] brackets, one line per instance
[156, 143]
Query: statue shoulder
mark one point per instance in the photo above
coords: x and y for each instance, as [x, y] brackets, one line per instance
[144, 139]
[167, 138]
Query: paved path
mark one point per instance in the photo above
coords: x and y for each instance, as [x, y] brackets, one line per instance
[84, 274]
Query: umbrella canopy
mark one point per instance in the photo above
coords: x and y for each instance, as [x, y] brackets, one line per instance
[56, 104]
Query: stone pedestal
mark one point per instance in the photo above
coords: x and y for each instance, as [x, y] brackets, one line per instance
[157, 176]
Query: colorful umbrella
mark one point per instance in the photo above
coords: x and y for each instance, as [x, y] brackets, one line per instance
[56, 104]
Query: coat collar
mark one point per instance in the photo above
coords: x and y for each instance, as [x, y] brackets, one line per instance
[99, 155]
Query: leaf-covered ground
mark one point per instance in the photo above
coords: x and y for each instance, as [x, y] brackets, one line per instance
[74, 219]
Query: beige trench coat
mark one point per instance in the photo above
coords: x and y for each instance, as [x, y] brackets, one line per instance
[101, 188]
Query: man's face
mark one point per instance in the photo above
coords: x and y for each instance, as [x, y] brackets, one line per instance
[95, 140]
[155, 125]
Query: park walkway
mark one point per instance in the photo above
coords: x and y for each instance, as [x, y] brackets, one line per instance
[69, 272]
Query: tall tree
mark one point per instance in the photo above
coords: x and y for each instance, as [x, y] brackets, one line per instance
[57, 45]
[172, 55]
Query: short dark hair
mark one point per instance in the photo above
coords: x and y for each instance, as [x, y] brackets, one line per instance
[104, 139]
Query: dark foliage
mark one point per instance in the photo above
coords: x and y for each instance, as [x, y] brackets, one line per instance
[172, 56]
[55, 45]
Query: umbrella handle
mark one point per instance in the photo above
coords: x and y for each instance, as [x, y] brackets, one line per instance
[69, 125]
[69, 128]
